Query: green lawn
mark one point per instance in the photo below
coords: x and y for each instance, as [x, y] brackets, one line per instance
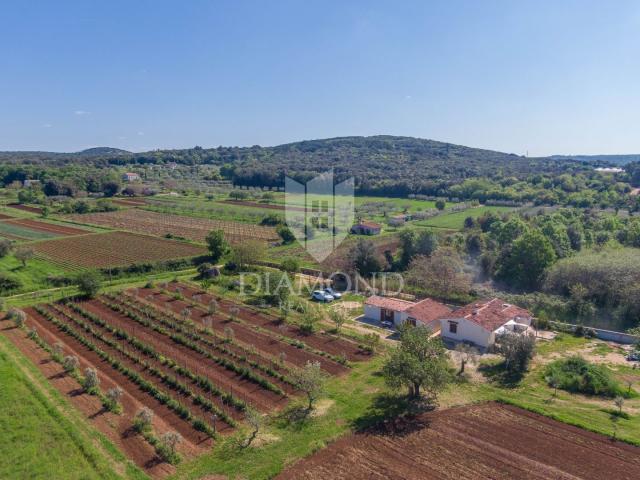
[33, 276]
[455, 221]
[42, 436]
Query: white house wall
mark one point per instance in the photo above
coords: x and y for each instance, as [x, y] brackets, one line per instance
[467, 332]
[372, 312]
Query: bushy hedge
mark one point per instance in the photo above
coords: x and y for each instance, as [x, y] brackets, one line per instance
[575, 374]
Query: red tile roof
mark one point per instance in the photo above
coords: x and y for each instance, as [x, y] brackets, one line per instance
[428, 310]
[368, 224]
[389, 303]
[490, 314]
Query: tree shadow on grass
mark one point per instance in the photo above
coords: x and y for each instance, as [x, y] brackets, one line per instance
[498, 373]
[394, 415]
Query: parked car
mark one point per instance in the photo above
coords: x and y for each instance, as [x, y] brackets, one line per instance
[387, 324]
[333, 293]
[321, 296]
[634, 357]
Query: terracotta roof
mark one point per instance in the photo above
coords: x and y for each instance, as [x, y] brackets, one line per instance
[389, 303]
[428, 310]
[368, 224]
[490, 314]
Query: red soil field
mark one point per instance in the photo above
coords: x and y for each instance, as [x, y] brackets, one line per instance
[116, 427]
[327, 343]
[114, 249]
[267, 344]
[487, 441]
[129, 202]
[25, 208]
[47, 227]
[5, 217]
[161, 224]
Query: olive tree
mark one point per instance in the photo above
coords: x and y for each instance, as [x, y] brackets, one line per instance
[310, 380]
[418, 362]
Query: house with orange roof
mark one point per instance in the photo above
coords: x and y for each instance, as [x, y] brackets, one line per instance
[426, 312]
[480, 322]
[364, 227]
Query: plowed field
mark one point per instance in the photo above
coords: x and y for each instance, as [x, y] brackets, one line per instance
[488, 441]
[113, 249]
[161, 224]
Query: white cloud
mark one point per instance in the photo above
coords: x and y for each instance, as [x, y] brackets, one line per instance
[140, 134]
[122, 138]
[47, 125]
[81, 112]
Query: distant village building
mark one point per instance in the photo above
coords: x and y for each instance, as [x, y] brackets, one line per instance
[366, 228]
[130, 177]
[426, 312]
[30, 183]
[480, 322]
[609, 169]
[172, 165]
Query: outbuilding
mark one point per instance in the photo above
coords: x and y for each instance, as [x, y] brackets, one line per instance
[397, 311]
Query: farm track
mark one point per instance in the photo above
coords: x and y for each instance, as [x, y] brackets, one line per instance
[487, 441]
[113, 249]
[327, 343]
[116, 427]
[261, 341]
[226, 379]
[160, 224]
[169, 416]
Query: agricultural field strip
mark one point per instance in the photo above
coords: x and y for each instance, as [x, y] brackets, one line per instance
[238, 351]
[257, 335]
[165, 365]
[129, 379]
[191, 340]
[113, 249]
[261, 339]
[47, 227]
[144, 369]
[489, 441]
[9, 229]
[337, 349]
[159, 224]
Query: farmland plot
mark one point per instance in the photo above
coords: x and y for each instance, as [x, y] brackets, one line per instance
[488, 441]
[161, 224]
[45, 227]
[185, 366]
[113, 249]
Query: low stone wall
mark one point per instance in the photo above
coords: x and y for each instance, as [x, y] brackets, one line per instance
[607, 335]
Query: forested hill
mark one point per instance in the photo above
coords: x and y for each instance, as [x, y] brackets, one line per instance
[378, 163]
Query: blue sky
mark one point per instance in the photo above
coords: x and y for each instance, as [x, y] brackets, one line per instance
[517, 76]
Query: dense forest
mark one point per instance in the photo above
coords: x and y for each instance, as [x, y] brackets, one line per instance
[383, 165]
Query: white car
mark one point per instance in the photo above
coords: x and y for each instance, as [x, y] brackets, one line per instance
[387, 324]
[332, 292]
[321, 296]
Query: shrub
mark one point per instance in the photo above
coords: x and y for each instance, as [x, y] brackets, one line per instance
[9, 283]
[575, 374]
[70, 363]
[167, 447]
[89, 283]
[113, 398]
[143, 419]
[91, 381]
[17, 316]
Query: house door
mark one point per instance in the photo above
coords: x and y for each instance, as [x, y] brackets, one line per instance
[386, 315]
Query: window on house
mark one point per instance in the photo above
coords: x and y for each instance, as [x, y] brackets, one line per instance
[453, 327]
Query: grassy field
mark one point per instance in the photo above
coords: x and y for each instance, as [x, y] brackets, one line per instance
[33, 276]
[42, 436]
[12, 231]
[455, 221]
